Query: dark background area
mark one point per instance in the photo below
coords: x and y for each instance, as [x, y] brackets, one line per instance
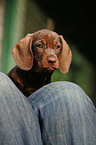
[76, 20]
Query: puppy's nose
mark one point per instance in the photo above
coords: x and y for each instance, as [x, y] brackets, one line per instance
[51, 59]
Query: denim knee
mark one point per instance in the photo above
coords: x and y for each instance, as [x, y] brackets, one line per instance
[3, 78]
[8, 89]
[5, 81]
[64, 92]
[65, 112]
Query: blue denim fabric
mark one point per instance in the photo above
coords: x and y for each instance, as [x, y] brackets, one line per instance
[57, 114]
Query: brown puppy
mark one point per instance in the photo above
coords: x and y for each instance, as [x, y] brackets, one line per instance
[37, 56]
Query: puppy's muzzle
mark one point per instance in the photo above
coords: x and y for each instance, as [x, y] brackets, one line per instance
[51, 63]
[51, 59]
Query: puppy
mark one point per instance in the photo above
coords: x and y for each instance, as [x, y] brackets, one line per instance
[37, 55]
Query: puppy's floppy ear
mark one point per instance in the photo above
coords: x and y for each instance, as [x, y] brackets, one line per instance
[22, 52]
[65, 57]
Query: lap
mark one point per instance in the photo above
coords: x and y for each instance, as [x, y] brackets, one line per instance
[61, 110]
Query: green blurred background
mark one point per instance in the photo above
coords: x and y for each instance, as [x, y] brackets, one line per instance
[68, 18]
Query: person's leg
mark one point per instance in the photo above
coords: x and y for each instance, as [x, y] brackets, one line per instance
[66, 115]
[18, 121]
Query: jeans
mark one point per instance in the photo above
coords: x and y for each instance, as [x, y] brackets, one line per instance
[59, 113]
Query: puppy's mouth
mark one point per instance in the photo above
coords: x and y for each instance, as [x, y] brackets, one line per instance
[50, 69]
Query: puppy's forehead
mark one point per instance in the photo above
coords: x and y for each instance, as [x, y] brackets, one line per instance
[48, 35]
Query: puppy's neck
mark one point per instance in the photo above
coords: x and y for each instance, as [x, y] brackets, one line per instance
[29, 81]
[39, 76]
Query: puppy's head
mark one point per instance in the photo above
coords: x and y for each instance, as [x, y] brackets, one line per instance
[44, 50]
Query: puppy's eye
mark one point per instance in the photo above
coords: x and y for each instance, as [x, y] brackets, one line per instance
[39, 45]
[58, 46]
